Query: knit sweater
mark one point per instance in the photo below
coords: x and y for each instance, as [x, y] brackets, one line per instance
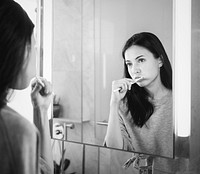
[156, 137]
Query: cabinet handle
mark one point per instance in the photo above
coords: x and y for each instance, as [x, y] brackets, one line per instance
[103, 123]
[70, 125]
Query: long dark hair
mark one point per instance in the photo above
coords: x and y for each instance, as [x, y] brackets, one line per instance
[138, 98]
[16, 29]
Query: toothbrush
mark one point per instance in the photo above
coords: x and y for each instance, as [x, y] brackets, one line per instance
[40, 81]
[42, 91]
[136, 80]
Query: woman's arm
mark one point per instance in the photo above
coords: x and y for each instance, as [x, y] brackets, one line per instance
[113, 136]
[40, 119]
[41, 99]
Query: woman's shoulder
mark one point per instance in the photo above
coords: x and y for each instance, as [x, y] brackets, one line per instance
[124, 111]
[19, 140]
[167, 99]
[14, 123]
[123, 107]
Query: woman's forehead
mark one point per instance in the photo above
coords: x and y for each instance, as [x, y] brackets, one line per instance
[136, 51]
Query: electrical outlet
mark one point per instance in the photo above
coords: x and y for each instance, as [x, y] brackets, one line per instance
[58, 131]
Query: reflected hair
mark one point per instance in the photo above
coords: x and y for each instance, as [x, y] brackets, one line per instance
[16, 29]
[137, 98]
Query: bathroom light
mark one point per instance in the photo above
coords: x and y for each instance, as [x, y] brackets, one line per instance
[47, 42]
[182, 67]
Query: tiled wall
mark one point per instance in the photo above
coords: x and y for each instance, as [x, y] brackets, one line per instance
[88, 159]
[95, 160]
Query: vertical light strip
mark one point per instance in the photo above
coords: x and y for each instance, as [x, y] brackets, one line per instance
[38, 37]
[47, 41]
[104, 70]
[182, 68]
[48, 36]
[82, 90]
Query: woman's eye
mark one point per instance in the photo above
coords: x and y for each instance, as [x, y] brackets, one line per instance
[141, 60]
[128, 64]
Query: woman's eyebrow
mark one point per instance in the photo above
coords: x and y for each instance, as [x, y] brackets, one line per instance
[135, 58]
[138, 57]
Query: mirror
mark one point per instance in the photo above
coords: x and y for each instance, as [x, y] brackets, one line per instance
[88, 37]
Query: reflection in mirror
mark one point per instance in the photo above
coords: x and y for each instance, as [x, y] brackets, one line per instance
[140, 116]
[87, 58]
[67, 67]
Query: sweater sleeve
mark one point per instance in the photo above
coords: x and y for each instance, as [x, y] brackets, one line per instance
[31, 160]
[127, 142]
[25, 150]
[44, 167]
[29, 157]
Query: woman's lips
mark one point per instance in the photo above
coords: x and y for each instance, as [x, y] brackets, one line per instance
[138, 79]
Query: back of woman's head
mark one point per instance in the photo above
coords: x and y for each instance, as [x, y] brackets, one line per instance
[154, 45]
[16, 29]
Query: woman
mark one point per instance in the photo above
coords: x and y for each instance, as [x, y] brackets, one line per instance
[25, 148]
[140, 116]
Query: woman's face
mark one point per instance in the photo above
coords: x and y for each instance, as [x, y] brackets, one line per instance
[142, 63]
[29, 66]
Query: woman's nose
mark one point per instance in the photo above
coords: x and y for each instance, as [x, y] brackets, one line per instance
[136, 70]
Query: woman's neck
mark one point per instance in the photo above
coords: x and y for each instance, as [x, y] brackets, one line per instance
[157, 90]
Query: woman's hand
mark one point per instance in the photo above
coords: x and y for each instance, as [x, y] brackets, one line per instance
[119, 89]
[41, 94]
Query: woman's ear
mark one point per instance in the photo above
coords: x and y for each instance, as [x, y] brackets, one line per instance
[160, 62]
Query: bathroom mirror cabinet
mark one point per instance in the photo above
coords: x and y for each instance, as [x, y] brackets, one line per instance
[88, 36]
